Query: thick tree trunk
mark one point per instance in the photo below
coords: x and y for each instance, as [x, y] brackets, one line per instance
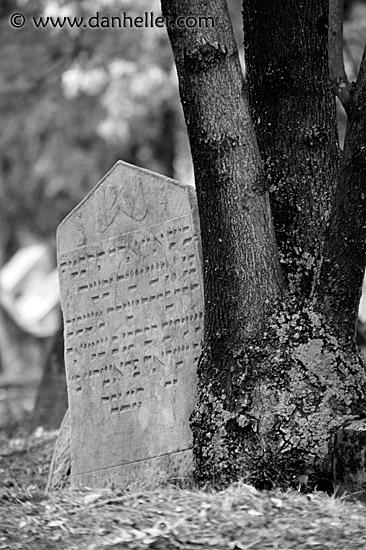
[318, 383]
[295, 120]
[242, 278]
[275, 382]
[294, 112]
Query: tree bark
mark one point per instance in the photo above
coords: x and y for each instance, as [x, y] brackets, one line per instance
[291, 101]
[339, 284]
[295, 120]
[274, 381]
[317, 382]
[242, 277]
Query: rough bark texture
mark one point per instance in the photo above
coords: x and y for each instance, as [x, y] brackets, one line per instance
[293, 111]
[344, 255]
[242, 279]
[309, 382]
[236, 227]
[275, 382]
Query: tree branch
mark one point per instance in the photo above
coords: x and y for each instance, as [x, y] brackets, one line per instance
[339, 283]
[337, 72]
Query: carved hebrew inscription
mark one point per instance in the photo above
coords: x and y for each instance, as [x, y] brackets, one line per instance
[133, 314]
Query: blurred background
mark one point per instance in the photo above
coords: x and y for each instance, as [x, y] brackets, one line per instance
[73, 102]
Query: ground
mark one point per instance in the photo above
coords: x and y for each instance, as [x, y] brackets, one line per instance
[168, 518]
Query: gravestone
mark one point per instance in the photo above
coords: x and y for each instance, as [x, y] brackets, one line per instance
[131, 294]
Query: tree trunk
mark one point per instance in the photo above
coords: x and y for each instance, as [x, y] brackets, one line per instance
[242, 278]
[339, 284]
[294, 112]
[318, 380]
[295, 120]
[51, 401]
[275, 381]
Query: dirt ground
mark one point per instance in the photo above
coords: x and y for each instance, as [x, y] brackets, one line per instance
[166, 518]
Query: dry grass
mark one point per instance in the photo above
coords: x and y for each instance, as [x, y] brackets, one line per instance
[164, 518]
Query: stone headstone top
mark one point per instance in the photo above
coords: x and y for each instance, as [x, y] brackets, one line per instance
[132, 300]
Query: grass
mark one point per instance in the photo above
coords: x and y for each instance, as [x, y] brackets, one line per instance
[165, 517]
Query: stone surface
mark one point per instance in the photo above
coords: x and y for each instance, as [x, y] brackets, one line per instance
[60, 467]
[350, 454]
[131, 294]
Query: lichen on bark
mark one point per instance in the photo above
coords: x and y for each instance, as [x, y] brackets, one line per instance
[279, 372]
[291, 390]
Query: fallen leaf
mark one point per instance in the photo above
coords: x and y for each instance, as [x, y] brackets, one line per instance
[255, 513]
[89, 499]
[277, 502]
[57, 523]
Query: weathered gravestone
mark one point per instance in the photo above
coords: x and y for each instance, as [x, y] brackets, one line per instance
[131, 293]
